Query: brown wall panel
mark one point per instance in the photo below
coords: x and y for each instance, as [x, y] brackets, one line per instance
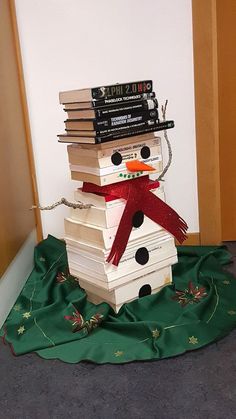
[16, 195]
[226, 40]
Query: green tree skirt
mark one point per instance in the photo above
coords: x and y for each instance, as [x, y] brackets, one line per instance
[199, 308]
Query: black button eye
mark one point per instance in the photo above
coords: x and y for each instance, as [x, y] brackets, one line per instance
[116, 159]
[145, 152]
[138, 218]
[142, 256]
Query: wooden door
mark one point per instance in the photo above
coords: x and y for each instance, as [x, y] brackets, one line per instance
[17, 176]
[226, 53]
[214, 40]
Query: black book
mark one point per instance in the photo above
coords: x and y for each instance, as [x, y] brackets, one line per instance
[113, 110]
[105, 92]
[114, 135]
[111, 123]
[119, 100]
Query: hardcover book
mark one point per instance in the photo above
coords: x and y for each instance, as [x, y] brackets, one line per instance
[100, 124]
[115, 110]
[114, 134]
[104, 92]
[114, 101]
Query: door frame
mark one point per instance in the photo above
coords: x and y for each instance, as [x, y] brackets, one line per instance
[26, 121]
[207, 120]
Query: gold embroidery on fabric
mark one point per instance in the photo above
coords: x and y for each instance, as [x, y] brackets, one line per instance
[26, 315]
[217, 302]
[178, 325]
[193, 340]
[231, 312]
[21, 330]
[17, 307]
[44, 334]
[54, 263]
[225, 282]
[42, 259]
[155, 334]
[119, 353]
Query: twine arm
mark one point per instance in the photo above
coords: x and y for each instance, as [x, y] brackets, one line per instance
[63, 201]
[163, 110]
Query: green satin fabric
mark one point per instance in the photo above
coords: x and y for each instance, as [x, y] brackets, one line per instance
[152, 327]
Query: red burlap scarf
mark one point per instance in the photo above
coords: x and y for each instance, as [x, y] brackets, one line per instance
[139, 198]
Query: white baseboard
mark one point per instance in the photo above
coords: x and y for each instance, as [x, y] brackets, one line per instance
[13, 280]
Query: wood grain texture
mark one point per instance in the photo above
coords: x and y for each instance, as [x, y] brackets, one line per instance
[193, 239]
[16, 220]
[207, 123]
[26, 120]
[226, 41]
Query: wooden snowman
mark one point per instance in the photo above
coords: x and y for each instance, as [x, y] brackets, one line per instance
[122, 247]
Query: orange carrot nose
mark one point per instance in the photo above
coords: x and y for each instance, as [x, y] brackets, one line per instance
[136, 166]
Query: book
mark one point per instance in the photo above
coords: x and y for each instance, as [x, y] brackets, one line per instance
[104, 131]
[104, 92]
[112, 122]
[130, 290]
[112, 177]
[114, 101]
[93, 138]
[100, 253]
[125, 279]
[108, 170]
[104, 217]
[104, 237]
[109, 111]
[125, 147]
[98, 270]
[117, 158]
[105, 201]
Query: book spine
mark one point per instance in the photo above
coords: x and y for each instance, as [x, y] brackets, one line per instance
[134, 131]
[124, 89]
[121, 100]
[119, 109]
[119, 121]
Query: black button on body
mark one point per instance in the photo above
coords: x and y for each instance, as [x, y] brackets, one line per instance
[142, 256]
[138, 218]
[145, 290]
[116, 159]
[145, 152]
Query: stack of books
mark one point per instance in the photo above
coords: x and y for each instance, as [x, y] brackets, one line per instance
[112, 134]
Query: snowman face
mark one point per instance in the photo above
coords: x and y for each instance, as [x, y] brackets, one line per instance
[115, 164]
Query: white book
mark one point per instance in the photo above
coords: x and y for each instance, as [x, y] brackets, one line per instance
[109, 170]
[103, 201]
[124, 279]
[129, 291]
[104, 237]
[129, 263]
[119, 176]
[75, 158]
[104, 217]
[109, 148]
[100, 253]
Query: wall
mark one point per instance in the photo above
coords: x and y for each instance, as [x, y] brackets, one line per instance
[75, 44]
